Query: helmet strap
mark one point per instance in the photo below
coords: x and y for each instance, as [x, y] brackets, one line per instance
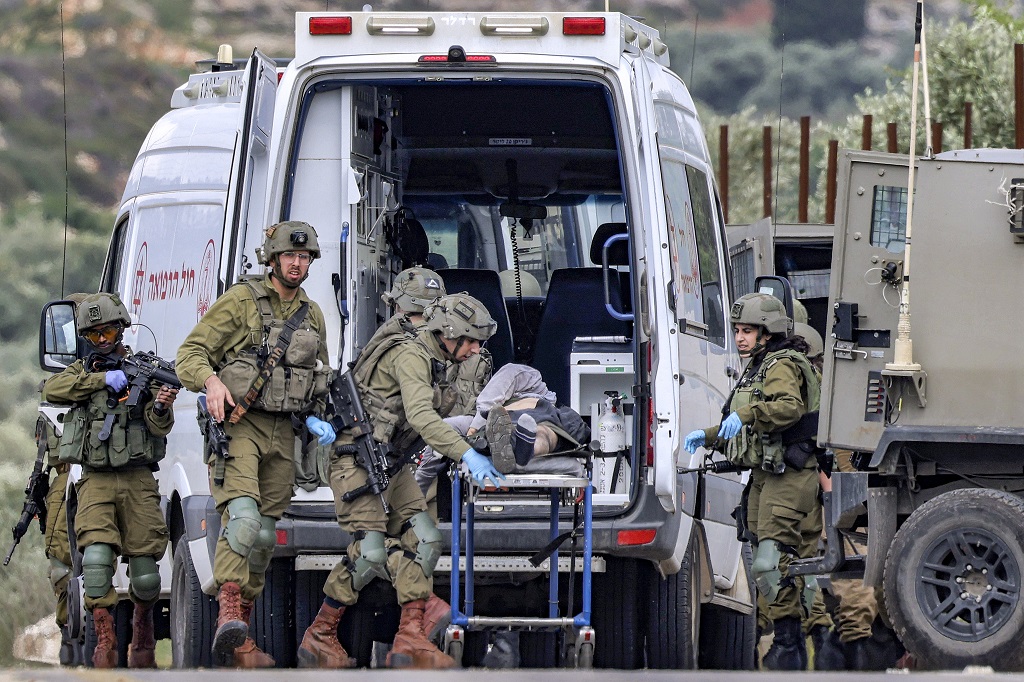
[448, 355]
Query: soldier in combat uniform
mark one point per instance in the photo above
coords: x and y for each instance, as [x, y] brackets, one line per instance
[227, 355]
[118, 500]
[777, 388]
[398, 375]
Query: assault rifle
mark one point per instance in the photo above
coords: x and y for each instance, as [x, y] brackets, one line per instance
[142, 369]
[712, 467]
[216, 439]
[374, 457]
[35, 494]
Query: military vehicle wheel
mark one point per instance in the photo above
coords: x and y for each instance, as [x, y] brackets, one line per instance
[728, 639]
[673, 615]
[193, 613]
[953, 581]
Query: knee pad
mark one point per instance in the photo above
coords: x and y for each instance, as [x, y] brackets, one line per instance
[144, 577]
[58, 573]
[243, 527]
[428, 542]
[766, 569]
[809, 593]
[372, 560]
[98, 570]
[263, 551]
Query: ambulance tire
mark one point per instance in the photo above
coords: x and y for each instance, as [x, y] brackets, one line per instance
[193, 613]
[952, 581]
[728, 638]
[673, 615]
[616, 615]
[271, 628]
[538, 649]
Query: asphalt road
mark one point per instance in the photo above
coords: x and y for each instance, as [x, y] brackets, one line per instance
[70, 675]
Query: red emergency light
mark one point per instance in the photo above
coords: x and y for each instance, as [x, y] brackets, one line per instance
[330, 26]
[583, 26]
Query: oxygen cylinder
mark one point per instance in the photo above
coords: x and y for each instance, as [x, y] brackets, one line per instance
[611, 424]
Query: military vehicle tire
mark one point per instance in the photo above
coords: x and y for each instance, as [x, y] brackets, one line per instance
[673, 615]
[616, 615]
[193, 613]
[728, 639]
[953, 580]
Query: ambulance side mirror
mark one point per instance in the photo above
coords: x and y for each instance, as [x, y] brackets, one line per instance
[58, 339]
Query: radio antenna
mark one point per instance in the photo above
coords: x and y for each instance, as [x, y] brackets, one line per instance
[67, 190]
[778, 136]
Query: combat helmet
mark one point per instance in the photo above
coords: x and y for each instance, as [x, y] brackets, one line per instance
[415, 289]
[291, 235]
[458, 315]
[96, 310]
[763, 310]
[799, 312]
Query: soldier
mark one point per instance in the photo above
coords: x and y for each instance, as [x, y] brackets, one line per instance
[55, 540]
[118, 500]
[777, 388]
[397, 376]
[230, 355]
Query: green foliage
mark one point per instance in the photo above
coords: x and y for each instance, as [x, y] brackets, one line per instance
[829, 22]
[733, 72]
[966, 63]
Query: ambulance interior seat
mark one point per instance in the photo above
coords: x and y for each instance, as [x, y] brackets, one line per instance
[523, 311]
[575, 307]
[618, 256]
[485, 286]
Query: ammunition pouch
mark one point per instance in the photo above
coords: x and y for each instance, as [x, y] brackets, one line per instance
[289, 389]
[129, 443]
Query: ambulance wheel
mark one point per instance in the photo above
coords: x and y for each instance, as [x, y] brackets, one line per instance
[673, 615]
[271, 628]
[193, 613]
[616, 615]
[953, 579]
[727, 637]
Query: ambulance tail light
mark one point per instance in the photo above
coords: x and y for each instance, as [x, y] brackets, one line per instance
[456, 55]
[583, 26]
[282, 537]
[330, 26]
[641, 536]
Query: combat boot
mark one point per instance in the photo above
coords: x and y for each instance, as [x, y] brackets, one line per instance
[105, 653]
[788, 651]
[829, 652]
[436, 617]
[320, 647]
[411, 648]
[141, 651]
[231, 626]
[879, 651]
[249, 655]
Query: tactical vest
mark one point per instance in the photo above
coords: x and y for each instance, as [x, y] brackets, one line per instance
[765, 450]
[468, 379]
[387, 414]
[298, 379]
[129, 444]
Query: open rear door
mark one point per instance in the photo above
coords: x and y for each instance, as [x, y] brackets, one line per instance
[245, 212]
[752, 253]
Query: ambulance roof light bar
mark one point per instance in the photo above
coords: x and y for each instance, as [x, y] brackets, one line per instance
[393, 25]
[514, 26]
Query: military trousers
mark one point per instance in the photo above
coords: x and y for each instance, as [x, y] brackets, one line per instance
[120, 508]
[56, 542]
[366, 513]
[262, 449]
[777, 508]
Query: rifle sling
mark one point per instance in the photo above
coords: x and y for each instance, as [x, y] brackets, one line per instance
[267, 368]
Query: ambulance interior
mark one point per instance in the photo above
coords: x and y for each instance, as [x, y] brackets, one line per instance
[510, 189]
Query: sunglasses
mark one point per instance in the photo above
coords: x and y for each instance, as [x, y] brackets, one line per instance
[107, 333]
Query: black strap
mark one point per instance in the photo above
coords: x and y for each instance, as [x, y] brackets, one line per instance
[267, 369]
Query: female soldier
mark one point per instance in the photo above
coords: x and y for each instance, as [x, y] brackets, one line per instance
[777, 388]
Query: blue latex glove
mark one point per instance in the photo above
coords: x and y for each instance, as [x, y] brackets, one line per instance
[481, 468]
[116, 379]
[694, 440]
[318, 427]
[730, 427]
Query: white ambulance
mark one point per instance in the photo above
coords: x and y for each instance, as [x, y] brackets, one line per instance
[551, 165]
